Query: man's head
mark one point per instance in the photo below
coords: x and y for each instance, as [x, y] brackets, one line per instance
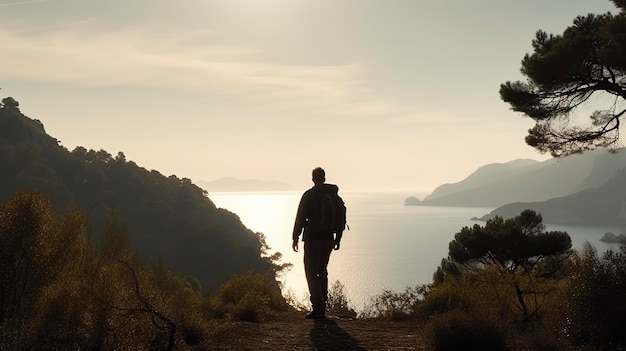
[319, 176]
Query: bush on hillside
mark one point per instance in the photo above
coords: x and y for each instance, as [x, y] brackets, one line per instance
[453, 294]
[596, 302]
[397, 305]
[250, 297]
[59, 292]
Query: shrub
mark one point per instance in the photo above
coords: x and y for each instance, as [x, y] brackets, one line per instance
[299, 303]
[338, 301]
[596, 300]
[59, 293]
[41, 259]
[397, 305]
[451, 295]
[250, 297]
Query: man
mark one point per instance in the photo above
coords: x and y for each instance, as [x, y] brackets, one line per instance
[322, 224]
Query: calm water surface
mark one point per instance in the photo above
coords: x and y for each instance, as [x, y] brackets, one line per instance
[388, 246]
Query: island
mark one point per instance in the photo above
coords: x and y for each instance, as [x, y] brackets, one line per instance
[610, 237]
[412, 201]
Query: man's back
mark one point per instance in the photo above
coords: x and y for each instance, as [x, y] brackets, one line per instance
[321, 209]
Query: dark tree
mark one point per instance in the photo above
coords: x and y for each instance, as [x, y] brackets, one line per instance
[564, 72]
[516, 248]
[10, 104]
[519, 242]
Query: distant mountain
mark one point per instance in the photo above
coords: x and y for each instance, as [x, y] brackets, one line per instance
[170, 220]
[605, 204]
[525, 180]
[230, 184]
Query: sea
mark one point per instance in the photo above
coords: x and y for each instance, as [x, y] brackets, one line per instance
[389, 246]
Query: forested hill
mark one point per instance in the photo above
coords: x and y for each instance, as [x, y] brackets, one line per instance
[170, 220]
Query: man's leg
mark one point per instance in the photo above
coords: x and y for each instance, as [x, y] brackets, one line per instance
[311, 269]
[316, 257]
[326, 248]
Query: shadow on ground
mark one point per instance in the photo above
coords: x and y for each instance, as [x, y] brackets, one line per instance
[326, 335]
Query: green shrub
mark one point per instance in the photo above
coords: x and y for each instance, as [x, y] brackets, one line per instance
[397, 305]
[455, 293]
[250, 297]
[251, 308]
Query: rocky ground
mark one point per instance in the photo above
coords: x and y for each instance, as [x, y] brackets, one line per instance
[290, 331]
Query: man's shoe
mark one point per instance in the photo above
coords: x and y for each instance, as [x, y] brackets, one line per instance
[314, 315]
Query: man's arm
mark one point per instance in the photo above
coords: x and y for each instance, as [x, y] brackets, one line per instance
[300, 222]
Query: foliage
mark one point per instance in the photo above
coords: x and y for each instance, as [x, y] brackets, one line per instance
[250, 297]
[455, 293]
[37, 251]
[511, 252]
[596, 305]
[275, 259]
[10, 103]
[169, 219]
[397, 305]
[59, 292]
[338, 301]
[564, 72]
[301, 303]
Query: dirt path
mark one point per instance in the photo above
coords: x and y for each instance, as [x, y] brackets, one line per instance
[292, 332]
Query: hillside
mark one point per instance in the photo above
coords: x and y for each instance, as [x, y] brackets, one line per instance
[498, 184]
[170, 220]
[602, 205]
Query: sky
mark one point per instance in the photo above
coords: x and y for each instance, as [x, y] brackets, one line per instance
[393, 95]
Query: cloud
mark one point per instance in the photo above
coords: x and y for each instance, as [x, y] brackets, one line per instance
[16, 3]
[84, 54]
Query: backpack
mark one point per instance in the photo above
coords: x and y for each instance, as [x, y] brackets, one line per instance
[328, 212]
[340, 222]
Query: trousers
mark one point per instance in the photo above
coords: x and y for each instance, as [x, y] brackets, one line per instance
[317, 251]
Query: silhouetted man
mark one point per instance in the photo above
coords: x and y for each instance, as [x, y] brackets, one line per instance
[321, 221]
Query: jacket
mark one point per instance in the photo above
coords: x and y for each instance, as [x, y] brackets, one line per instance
[305, 210]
